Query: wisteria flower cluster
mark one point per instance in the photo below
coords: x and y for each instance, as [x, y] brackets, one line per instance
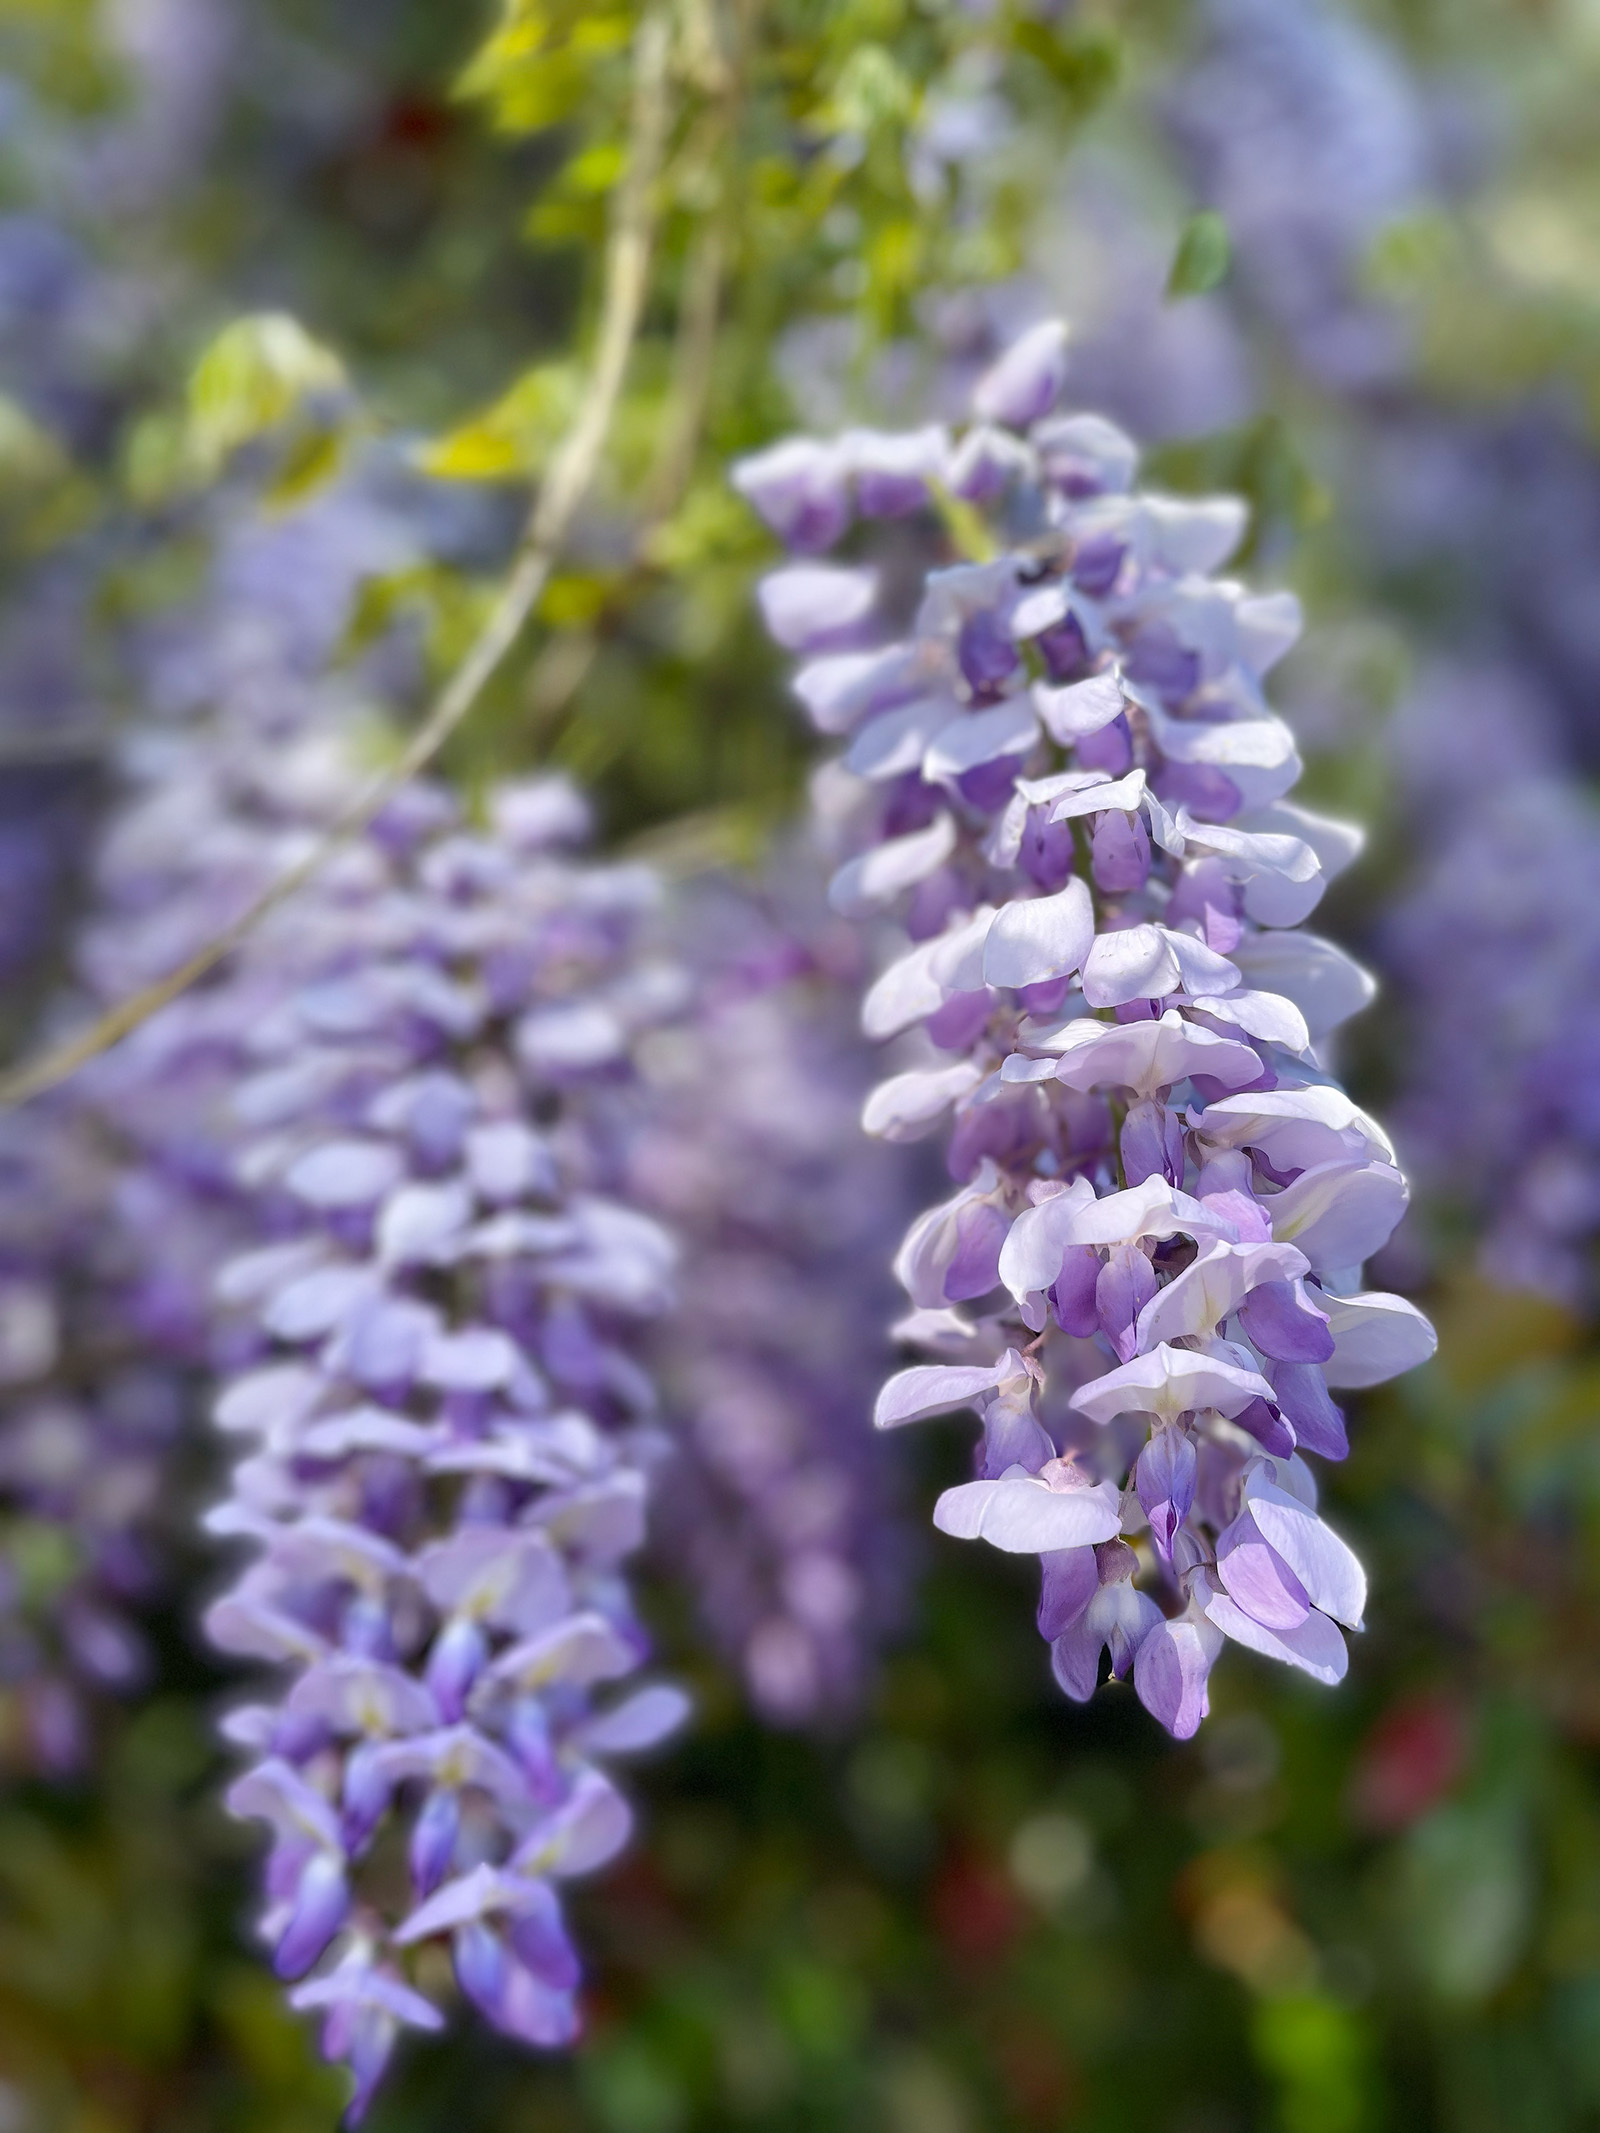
[449, 1436]
[1062, 776]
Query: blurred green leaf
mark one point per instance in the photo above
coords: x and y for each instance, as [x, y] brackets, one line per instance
[1203, 257]
[510, 440]
[256, 374]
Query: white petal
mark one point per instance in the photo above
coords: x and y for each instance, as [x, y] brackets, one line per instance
[907, 1106]
[805, 603]
[1375, 1336]
[1267, 624]
[1027, 1517]
[1212, 1288]
[1195, 535]
[1326, 985]
[1334, 1580]
[1339, 1213]
[865, 886]
[979, 737]
[1257, 754]
[1041, 938]
[1267, 1016]
[1135, 964]
[1147, 1056]
[1335, 843]
[1168, 1382]
[1151, 1209]
[420, 1224]
[1099, 798]
[1082, 708]
[1202, 972]
[1282, 874]
[840, 687]
[896, 741]
[1316, 1647]
[1295, 1129]
[934, 1389]
[1030, 1258]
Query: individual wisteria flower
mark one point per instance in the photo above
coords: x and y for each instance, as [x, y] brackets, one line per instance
[772, 1507]
[1061, 774]
[449, 1439]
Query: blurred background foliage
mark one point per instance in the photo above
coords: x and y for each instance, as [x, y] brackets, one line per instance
[980, 1909]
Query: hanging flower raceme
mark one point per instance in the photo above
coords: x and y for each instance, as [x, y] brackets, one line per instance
[449, 1441]
[773, 1507]
[120, 1196]
[1061, 776]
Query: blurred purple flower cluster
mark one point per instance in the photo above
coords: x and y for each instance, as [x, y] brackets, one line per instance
[1061, 773]
[407, 1122]
[777, 1505]
[451, 1436]
[1496, 945]
[123, 1188]
[93, 1398]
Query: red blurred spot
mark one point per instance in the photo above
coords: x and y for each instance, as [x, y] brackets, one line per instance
[977, 1914]
[1408, 1762]
[416, 122]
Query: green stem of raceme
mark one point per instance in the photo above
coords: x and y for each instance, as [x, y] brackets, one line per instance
[571, 472]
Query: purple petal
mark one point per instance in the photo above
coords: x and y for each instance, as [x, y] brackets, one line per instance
[1258, 1579]
[1283, 1323]
[1302, 1393]
[1026, 381]
[320, 1906]
[1171, 1671]
[1071, 1580]
[1165, 1480]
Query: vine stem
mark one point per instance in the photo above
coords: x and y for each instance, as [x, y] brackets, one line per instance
[571, 472]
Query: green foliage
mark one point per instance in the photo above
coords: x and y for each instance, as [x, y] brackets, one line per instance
[510, 440]
[256, 375]
[1204, 254]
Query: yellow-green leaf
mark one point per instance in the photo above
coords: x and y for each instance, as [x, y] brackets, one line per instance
[510, 440]
[255, 374]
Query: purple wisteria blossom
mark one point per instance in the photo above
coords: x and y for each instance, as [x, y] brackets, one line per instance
[1061, 776]
[448, 1438]
[397, 1122]
[773, 1507]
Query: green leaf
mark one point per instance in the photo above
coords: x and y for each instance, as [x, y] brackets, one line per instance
[1085, 64]
[255, 374]
[1203, 257]
[510, 440]
[537, 67]
[872, 92]
[30, 457]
